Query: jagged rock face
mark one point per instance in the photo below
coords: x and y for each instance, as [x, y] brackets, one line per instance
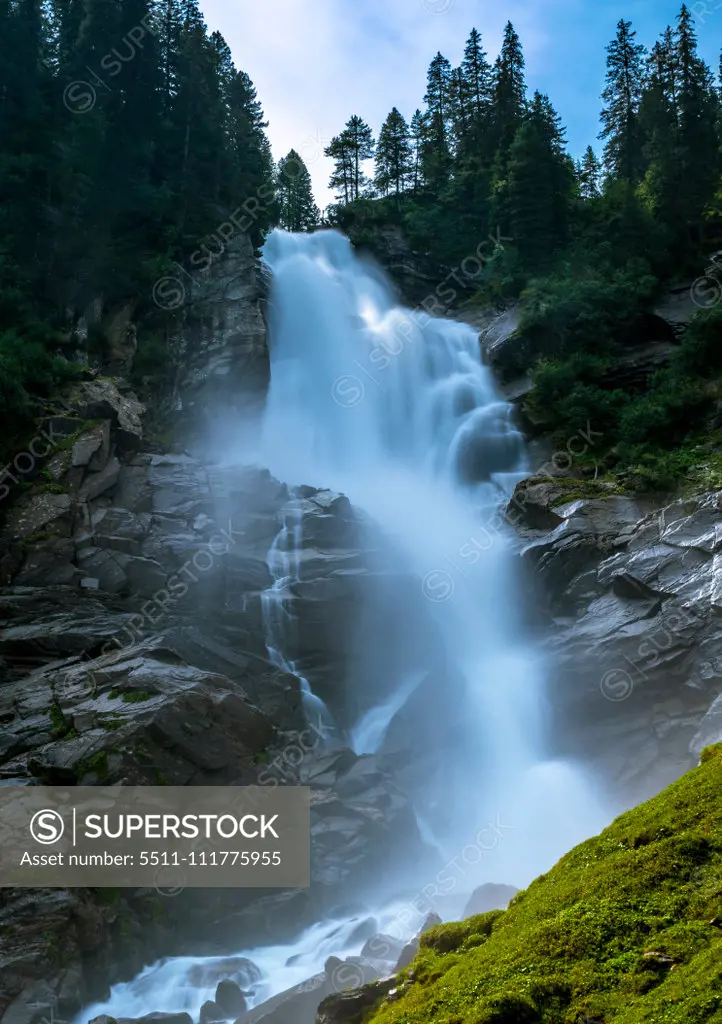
[417, 275]
[133, 651]
[633, 599]
[221, 338]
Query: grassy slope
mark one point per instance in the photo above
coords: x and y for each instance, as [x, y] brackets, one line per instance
[571, 948]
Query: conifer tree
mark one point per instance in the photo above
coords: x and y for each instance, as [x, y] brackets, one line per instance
[394, 156]
[297, 208]
[622, 96]
[359, 142]
[417, 134]
[698, 141]
[349, 150]
[533, 204]
[659, 126]
[342, 176]
[509, 91]
[477, 76]
[436, 152]
[589, 175]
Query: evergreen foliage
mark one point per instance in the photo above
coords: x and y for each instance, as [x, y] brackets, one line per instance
[127, 136]
[297, 209]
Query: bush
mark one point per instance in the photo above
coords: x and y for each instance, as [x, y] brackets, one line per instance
[29, 371]
[566, 395]
[666, 416]
[700, 353]
[588, 312]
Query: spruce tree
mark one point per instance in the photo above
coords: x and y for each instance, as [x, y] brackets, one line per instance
[622, 96]
[417, 134]
[477, 76]
[297, 208]
[589, 175]
[342, 176]
[698, 141]
[394, 156]
[533, 204]
[509, 92]
[436, 152]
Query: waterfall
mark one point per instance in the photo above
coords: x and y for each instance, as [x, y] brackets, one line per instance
[395, 409]
[284, 565]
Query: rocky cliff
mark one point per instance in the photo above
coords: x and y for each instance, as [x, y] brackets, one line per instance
[133, 651]
[629, 603]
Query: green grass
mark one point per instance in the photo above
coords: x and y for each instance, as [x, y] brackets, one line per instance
[626, 928]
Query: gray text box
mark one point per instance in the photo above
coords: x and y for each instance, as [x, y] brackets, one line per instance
[165, 837]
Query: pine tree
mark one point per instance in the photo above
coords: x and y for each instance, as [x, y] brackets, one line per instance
[659, 126]
[251, 169]
[460, 116]
[342, 176]
[360, 141]
[622, 96]
[533, 205]
[417, 134]
[589, 175]
[699, 144]
[436, 152]
[509, 92]
[477, 77]
[297, 209]
[394, 156]
[349, 149]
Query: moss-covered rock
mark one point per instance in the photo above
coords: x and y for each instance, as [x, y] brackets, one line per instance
[626, 928]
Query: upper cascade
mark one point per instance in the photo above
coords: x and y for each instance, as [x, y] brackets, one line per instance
[360, 382]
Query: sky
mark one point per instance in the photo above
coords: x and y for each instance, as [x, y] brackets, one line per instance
[316, 62]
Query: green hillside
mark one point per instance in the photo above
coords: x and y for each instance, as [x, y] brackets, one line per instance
[626, 928]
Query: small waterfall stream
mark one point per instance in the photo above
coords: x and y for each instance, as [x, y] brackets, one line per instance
[284, 564]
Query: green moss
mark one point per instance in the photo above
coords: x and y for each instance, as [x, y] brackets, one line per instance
[111, 724]
[54, 488]
[95, 765]
[59, 723]
[626, 928]
[136, 696]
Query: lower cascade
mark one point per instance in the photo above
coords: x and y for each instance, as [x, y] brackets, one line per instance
[395, 410]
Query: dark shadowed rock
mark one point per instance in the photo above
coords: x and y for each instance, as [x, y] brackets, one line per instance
[211, 1013]
[230, 998]
[158, 1018]
[295, 1006]
[352, 1007]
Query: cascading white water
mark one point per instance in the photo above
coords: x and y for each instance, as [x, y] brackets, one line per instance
[396, 409]
[284, 561]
